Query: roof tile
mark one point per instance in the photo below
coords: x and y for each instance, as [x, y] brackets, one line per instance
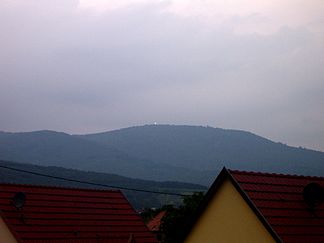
[54, 214]
[279, 199]
[155, 223]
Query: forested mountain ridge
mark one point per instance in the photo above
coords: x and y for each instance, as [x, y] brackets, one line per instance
[161, 152]
[50, 148]
[211, 148]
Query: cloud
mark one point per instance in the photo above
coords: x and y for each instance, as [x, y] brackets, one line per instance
[65, 68]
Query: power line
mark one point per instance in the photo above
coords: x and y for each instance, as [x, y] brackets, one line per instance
[90, 183]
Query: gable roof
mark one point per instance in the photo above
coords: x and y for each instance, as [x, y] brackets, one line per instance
[277, 200]
[55, 214]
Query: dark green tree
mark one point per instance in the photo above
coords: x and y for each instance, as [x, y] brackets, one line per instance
[175, 220]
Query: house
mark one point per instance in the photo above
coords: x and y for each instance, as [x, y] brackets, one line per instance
[53, 214]
[260, 207]
[155, 223]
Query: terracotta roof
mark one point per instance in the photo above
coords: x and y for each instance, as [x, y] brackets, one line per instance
[53, 214]
[278, 202]
[154, 224]
[279, 198]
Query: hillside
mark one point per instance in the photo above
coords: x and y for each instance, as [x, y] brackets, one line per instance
[210, 148]
[137, 199]
[50, 148]
[192, 154]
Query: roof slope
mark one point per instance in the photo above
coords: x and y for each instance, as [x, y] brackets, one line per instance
[155, 223]
[280, 200]
[53, 214]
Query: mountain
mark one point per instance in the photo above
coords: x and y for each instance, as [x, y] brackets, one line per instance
[50, 148]
[138, 199]
[208, 148]
[161, 152]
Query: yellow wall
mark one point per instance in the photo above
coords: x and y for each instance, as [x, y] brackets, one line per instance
[5, 234]
[228, 218]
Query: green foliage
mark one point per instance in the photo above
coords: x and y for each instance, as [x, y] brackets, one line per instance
[148, 213]
[175, 220]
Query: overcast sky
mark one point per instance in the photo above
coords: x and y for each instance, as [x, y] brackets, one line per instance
[92, 65]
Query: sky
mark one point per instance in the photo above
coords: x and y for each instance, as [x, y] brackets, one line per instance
[93, 65]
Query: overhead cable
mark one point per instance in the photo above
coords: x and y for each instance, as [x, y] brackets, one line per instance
[91, 183]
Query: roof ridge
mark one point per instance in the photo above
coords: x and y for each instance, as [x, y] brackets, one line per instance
[273, 174]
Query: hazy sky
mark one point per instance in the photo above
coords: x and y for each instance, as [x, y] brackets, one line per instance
[92, 65]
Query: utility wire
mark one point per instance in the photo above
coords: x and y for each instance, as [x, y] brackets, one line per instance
[90, 183]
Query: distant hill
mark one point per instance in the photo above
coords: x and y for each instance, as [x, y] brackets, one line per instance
[138, 199]
[49, 148]
[207, 148]
[161, 152]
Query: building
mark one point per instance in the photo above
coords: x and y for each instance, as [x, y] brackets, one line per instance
[53, 214]
[154, 224]
[260, 207]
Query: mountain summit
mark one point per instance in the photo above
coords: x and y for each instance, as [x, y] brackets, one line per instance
[161, 152]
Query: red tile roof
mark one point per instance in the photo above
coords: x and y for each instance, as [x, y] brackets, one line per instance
[53, 214]
[154, 224]
[279, 198]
